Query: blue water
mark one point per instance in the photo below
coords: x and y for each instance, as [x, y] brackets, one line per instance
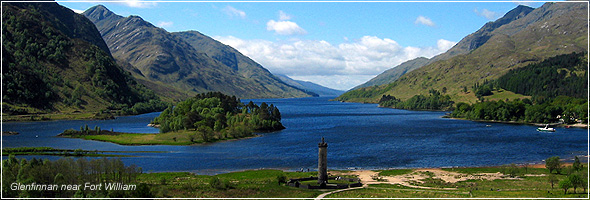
[358, 136]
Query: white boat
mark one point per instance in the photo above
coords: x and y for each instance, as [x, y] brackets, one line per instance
[546, 129]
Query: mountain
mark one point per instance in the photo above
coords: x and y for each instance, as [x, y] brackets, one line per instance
[550, 30]
[467, 44]
[195, 65]
[487, 31]
[310, 87]
[56, 61]
[391, 75]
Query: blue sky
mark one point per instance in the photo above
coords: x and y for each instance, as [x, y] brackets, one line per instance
[339, 45]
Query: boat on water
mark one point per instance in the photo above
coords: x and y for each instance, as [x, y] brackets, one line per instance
[546, 129]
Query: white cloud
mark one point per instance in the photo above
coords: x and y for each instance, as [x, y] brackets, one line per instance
[339, 82]
[284, 16]
[233, 12]
[490, 15]
[139, 4]
[340, 66]
[424, 21]
[522, 2]
[445, 44]
[285, 28]
[130, 3]
[164, 24]
[78, 11]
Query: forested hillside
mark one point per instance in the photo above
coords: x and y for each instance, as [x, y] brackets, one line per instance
[558, 87]
[55, 61]
[560, 75]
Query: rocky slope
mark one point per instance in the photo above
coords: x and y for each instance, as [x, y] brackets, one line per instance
[187, 62]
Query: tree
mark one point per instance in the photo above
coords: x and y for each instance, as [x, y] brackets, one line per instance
[553, 163]
[206, 133]
[565, 184]
[216, 183]
[552, 179]
[512, 170]
[281, 179]
[577, 165]
[575, 180]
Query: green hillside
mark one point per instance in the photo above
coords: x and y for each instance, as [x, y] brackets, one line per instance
[563, 75]
[55, 62]
[550, 30]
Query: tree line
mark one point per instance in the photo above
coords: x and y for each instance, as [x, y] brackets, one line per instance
[576, 176]
[562, 75]
[561, 109]
[67, 171]
[557, 86]
[434, 101]
[214, 115]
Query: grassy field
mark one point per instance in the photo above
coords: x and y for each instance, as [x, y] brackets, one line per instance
[264, 184]
[246, 184]
[182, 137]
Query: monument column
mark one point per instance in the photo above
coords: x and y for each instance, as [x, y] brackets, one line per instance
[322, 162]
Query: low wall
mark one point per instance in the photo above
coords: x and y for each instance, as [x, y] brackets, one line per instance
[297, 183]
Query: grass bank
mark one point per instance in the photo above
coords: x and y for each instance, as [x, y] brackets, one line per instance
[182, 137]
[48, 151]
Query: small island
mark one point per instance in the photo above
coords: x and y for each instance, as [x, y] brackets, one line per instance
[205, 118]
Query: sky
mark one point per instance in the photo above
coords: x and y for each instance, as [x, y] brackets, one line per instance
[335, 44]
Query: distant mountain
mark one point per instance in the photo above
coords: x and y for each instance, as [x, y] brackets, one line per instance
[56, 61]
[391, 75]
[169, 63]
[550, 30]
[309, 86]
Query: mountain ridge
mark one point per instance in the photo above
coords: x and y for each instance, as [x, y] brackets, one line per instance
[464, 46]
[166, 58]
[550, 30]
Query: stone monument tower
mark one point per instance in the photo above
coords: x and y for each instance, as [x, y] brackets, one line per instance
[323, 162]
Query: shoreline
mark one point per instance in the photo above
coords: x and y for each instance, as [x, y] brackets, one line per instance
[578, 125]
[566, 161]
[174, 138]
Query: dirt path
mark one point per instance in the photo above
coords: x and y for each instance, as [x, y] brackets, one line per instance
[368, 177]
